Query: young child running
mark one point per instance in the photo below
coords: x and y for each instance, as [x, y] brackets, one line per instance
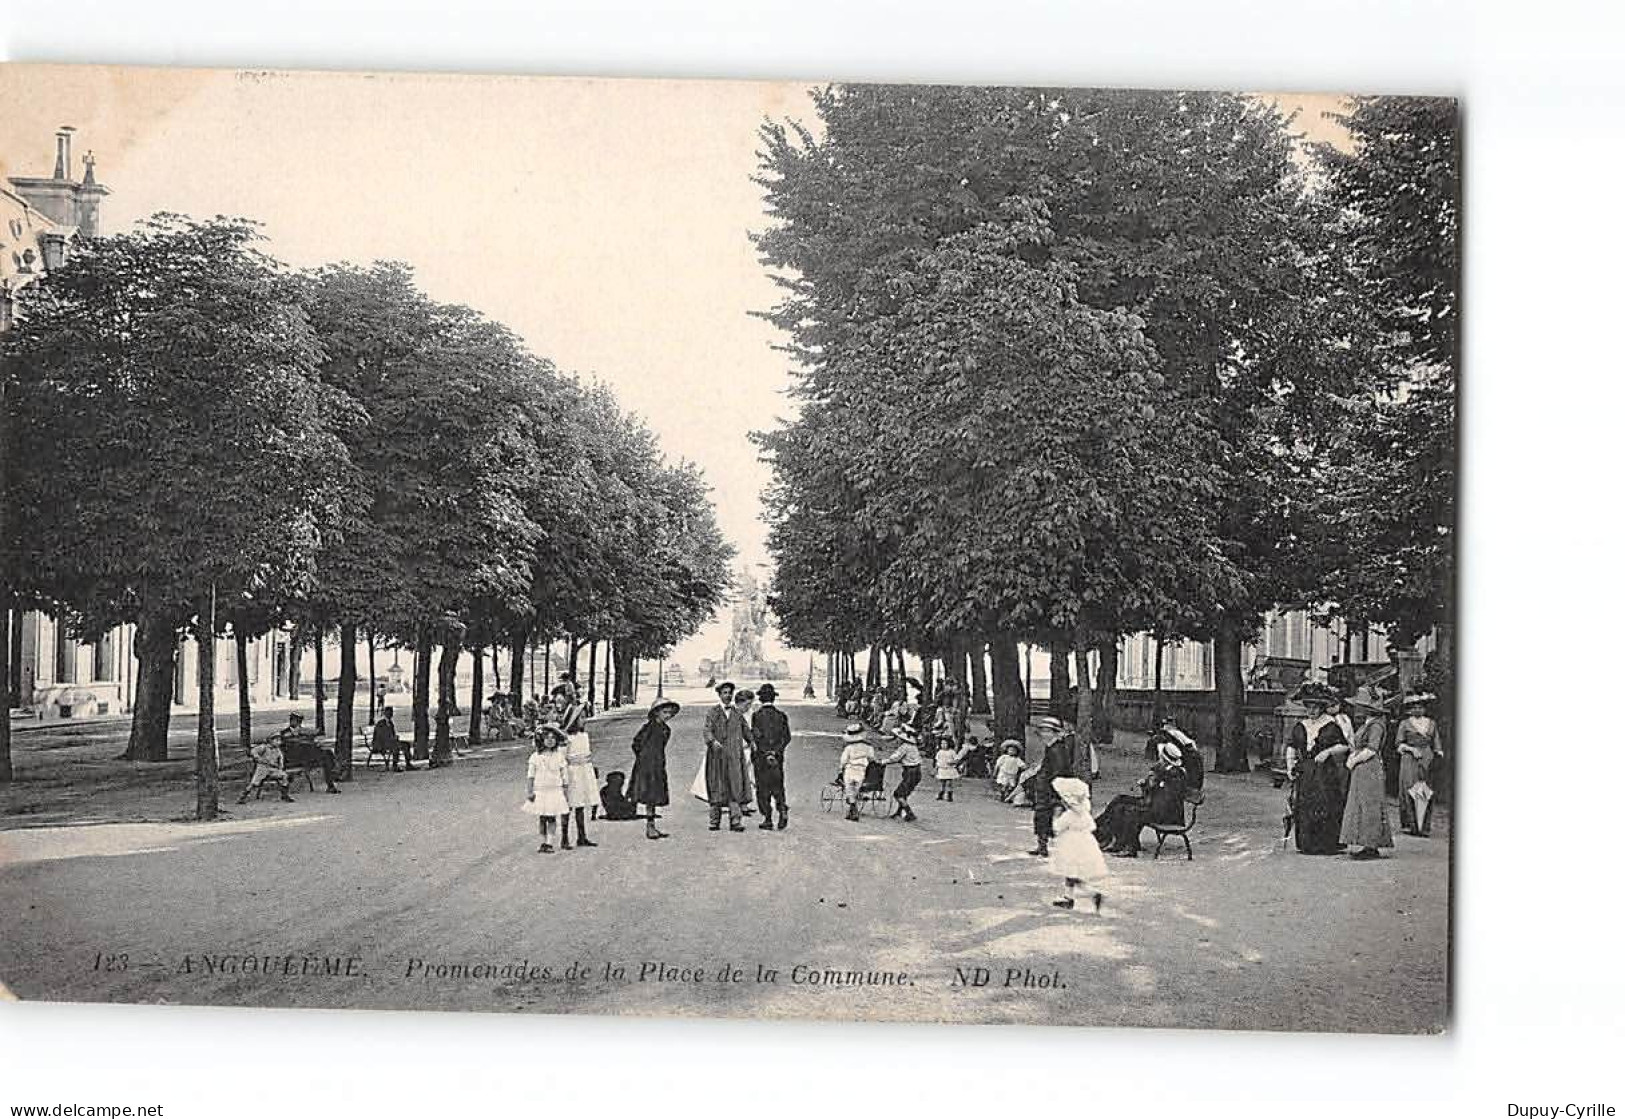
[948, 760]
[547, 776]
[1007, 774]
[1074, 854]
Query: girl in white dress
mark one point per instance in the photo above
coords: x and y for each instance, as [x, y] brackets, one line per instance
[947, 759]
[1074, 854]
[547, 777]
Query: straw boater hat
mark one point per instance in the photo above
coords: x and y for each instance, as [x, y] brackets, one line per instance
[1049, 723]
[1170, 753]
[1419, 699]
[664, 704]
[854, 733]
[905, 733]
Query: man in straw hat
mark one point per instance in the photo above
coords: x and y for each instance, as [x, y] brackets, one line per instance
[1056, 740]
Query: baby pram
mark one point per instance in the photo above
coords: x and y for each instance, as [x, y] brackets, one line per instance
[871, 794]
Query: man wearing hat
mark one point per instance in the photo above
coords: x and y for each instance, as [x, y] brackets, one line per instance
[908, 755]
[1057, 743]
[855, 759]
[724, 771]
[770, 736]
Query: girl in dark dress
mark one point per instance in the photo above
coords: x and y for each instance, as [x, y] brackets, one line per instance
[648, 786]
[1316, 750]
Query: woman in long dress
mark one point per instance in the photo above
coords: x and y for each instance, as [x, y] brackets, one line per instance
[1316, 749]
[1417, 743]
[648, 786]
[1365, 813]
[572, 720]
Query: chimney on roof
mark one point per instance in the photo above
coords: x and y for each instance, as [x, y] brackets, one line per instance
[64, 151]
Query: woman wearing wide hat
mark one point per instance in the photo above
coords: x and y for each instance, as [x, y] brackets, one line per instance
[1315, 751]
[1417, 743]
[1365, 812]
[648, 785]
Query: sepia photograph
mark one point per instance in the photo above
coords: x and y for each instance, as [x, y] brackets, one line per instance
[926, 553]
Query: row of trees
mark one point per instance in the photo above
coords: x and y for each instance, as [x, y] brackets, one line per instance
[1075, 364]
[204, 443]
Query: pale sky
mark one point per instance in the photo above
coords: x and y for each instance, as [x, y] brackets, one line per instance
[604, 220]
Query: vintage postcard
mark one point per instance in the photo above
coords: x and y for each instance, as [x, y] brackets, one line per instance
[715, 548]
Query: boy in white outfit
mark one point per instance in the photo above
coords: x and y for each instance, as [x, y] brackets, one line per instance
[855, 761]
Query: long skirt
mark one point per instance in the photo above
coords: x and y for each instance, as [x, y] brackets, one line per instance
[1317, 808]
[1365, 813]
[1122, 820]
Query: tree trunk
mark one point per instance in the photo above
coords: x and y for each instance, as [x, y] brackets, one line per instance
[928, 675]
[609, 667]
[592, 670]
[978, 676]
[245, 702]
[626, 676]
[154, 690]
[206, 763]
[420, 691]
[1158, 701]
[1060, 678]
[7, 697]
[372, 678]
[1105, 708]
[575, 657]
[1009, 698]
[1083, 716]
[547, 668]
[476, 701]
[344, 718]
[516, 668]
[446, 701]
[295, 641]
[1231, 753]
[321, 684]
[871, 671]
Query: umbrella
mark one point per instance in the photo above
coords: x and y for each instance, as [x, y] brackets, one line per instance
[1420, 793]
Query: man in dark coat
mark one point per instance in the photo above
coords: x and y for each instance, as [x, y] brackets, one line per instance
[770, 735]
[302, 750]
[725, 737]
[387, 742]
[1057, 743]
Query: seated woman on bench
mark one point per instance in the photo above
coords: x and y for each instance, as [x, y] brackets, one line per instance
[1161, 800]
